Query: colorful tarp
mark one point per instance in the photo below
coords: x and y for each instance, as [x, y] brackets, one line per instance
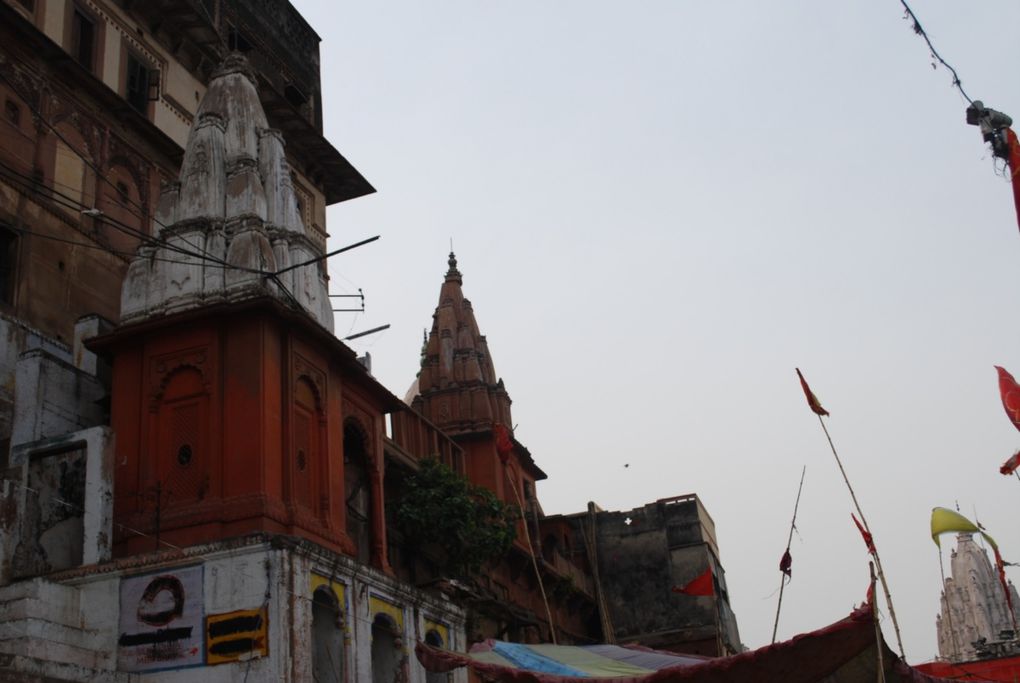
[588, 661]
[845, 652]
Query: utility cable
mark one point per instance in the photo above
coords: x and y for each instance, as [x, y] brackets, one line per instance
[99, 175]
[88, 162]
[919, 30]
[34, 185]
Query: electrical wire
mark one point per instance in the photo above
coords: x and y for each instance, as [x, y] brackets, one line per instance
[919, 30]
[339, 611]
[99, 174]
[33, 184]
[204, 254]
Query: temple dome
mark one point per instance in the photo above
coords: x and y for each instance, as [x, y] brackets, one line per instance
[229, 227]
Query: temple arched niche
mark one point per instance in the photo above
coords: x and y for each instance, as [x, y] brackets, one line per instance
[74, 181]
[306, 470]
[120, 200]
[181, 440]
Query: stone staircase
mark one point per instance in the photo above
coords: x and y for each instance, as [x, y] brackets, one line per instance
[46, 635]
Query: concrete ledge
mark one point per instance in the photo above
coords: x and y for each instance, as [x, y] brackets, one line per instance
[26, 669]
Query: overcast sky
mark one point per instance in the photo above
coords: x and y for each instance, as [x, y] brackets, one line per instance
[660, 209]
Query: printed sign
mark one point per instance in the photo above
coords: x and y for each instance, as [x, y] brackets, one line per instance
[161, 620]
[237, 636]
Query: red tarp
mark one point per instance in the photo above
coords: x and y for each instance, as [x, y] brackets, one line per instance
[845, 652]
[1004, 669]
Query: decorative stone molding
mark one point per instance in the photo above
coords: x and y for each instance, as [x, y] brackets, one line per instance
[165, 367]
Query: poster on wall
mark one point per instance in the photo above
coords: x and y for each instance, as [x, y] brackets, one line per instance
[237, 636]
[161, 620]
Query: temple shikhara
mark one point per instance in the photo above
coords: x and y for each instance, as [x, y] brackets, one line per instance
[974, 614]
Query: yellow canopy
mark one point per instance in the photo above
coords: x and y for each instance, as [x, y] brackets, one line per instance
[944, 520]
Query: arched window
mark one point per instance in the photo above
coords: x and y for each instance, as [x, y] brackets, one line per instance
[327, 637]
[120, 200]
[358, 490]
[387, 650]
[549, 548]
[72, 177]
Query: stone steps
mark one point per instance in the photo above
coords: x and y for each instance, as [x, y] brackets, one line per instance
[43, 632]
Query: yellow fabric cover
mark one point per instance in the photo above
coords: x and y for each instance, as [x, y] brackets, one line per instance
[944, 520]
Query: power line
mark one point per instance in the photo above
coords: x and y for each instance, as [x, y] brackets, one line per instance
[33, 184]
[919, 30]
[88, 162]
[204, 254]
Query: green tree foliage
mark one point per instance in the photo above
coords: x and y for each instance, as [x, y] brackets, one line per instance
[439, 508]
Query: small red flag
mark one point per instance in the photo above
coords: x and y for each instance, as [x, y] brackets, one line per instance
[1014, 168]
[701, 585]
[1010, 392]
[1010, 465]
[786, 564]
[868, 540]
[812, 400]
[504, 445]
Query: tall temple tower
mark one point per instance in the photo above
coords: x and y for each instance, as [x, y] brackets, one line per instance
[236, 409]
[458, 391]
[974, 614]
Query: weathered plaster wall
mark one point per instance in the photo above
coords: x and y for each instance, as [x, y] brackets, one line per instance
[643, 554]
[52, 397]
[55, 504]
[72, 627]
[15, 338]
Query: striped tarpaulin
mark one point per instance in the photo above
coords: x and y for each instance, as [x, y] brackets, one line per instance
[848, 651]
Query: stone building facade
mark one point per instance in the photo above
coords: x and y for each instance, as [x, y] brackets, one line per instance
[974, 619]
[192, 463]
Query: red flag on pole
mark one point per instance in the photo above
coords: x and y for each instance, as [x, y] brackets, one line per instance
[1014, 168]
[868, 540]
[1000, 567]
[1010, 392]
[701, 585]
[812, 400]
[786, 564]
[504, 445]
[1010, 465]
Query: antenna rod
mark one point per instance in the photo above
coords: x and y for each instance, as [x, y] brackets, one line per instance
[368, 332]
[326, 256]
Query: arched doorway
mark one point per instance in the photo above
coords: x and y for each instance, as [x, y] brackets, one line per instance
[433, 638]
[387, 650]
[327, 637]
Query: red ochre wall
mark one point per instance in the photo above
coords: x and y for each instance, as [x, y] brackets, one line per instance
[236, 420]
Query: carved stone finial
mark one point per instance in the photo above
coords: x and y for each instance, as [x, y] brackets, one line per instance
[452, 273]
[235, 63]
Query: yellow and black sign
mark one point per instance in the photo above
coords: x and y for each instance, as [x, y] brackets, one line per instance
[237, 636]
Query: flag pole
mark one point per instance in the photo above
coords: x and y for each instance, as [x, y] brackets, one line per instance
[878, 629]
[789, 540]
[949, 609]
[504, 447]
[874, 550]
[531, 550]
